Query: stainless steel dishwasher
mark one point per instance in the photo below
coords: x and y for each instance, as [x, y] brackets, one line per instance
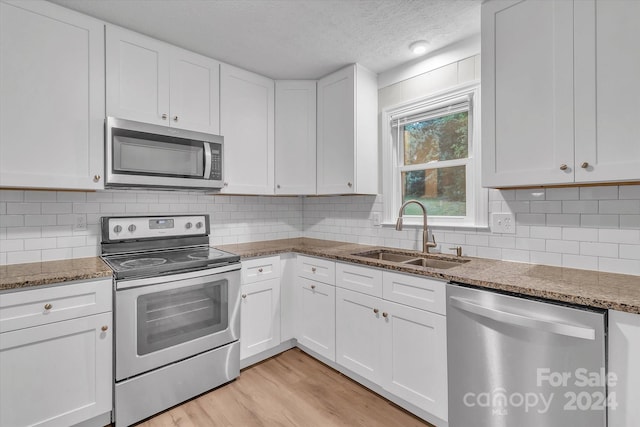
[522, 362]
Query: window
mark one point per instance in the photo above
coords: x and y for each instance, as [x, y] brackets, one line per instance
[432, 154]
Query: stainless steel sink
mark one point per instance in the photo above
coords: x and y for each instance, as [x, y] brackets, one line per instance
[387, 256]
[419, 260]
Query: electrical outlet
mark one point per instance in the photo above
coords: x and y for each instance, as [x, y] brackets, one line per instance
[80, 223]
[503, 223]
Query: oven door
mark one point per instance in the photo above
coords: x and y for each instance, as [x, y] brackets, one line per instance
[176, 317]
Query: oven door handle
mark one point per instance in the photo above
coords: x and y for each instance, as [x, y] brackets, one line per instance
[207, 160]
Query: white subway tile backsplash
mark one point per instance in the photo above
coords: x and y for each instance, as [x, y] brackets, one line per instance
[23, 232]
[71, 196]
[619, 236]
[630, 251]
[11, 195]
[619, 206]
[563, 220]
[580, 206]
[581, 234]
[629, 192]
[546, 258]
[21, 257]
[539, 232]
[531, 244]
[563, 246]
[609, 250]
[70, 241]
[536, 194]
[39, 220]
[57, 208]
[580, 261]
[11, 245]
[599, 221]
[621, 266]
[45, 243]
[554, 207]
[515, 255]
[11, 220]
[629, 221]
[563, 194]
[57, 254]
[530, 219]
[23, 208]
[40, 196]
[598, 193]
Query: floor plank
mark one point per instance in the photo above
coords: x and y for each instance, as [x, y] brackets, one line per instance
[288, 390]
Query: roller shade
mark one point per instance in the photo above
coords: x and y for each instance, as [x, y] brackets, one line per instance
[446, 108]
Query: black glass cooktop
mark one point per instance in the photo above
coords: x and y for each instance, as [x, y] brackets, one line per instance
[166, 261]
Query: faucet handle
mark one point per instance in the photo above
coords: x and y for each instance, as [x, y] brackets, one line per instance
[458, 250]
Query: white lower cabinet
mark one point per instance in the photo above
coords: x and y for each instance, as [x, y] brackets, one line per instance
[359, 346]
[260, 306]
[398, 346]
[415, 357]
[58, 373]
[317, 319]
[624, 354]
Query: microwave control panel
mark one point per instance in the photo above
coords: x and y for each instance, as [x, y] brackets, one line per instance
[216, 162]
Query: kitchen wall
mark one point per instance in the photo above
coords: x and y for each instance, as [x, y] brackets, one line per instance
[39, 225]
[595, 228]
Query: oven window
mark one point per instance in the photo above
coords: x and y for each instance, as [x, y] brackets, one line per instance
[176, 316]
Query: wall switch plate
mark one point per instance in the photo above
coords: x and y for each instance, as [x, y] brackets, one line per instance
[503, 223]
[80, 222]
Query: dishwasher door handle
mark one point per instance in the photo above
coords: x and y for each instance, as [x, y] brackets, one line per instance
[524, 321]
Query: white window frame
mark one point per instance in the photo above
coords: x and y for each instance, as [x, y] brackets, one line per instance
[477, 197]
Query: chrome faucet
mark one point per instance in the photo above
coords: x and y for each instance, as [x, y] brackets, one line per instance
[426, 244]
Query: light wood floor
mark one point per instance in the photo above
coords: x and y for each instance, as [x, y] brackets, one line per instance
[291, 389]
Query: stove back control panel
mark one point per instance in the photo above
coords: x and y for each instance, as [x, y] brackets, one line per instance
[122, 228]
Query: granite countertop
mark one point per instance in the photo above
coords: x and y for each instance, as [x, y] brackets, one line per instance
[21, 276]
[584, 287]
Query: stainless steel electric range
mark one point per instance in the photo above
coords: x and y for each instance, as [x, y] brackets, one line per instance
[176, 311]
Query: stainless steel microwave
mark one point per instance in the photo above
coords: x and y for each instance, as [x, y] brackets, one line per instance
[146, 155]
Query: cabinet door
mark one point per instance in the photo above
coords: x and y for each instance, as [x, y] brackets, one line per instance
[137, 77]
[295, 161]
[358, 334]
[195, 92]
[316, 323]
[624, 353]
[52, 103]
[607, 109]
[415, 357]
[246, 122]
[336, 132]
[260, 317]
[527, 93]
[57, 374]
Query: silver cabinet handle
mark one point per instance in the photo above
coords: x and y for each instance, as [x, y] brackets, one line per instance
[524, 321]
[376, 311]
[164, 116]
[48, 306]
[584, 165]
[563, 167]
[175, 118]
[313, 269]
[385, 314]
[349, 184]
[96, 178]
[244, 295]
[313, 286]
[104, 328]
[260, 270]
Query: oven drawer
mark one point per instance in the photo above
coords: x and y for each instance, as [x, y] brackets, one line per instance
[259, 269]
[24, 309]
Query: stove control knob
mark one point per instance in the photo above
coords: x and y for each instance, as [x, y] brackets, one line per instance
[132, 228]
[188, 225]
[198, 224]
[117, 229]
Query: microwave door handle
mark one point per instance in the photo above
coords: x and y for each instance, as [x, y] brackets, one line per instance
[207, 160]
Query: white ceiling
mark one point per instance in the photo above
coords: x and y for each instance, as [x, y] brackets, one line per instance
[295, 39]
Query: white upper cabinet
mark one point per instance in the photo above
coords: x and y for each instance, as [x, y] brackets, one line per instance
[559, 98]
[247, 124]
[348, 132]
[295, 160]
[606, 105]
[153, 82]
[52, 102]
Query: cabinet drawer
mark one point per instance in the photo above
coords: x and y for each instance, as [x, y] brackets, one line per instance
[258, 269]
[317, 269]
[419, 292]
[360, 279]
[24, 309]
